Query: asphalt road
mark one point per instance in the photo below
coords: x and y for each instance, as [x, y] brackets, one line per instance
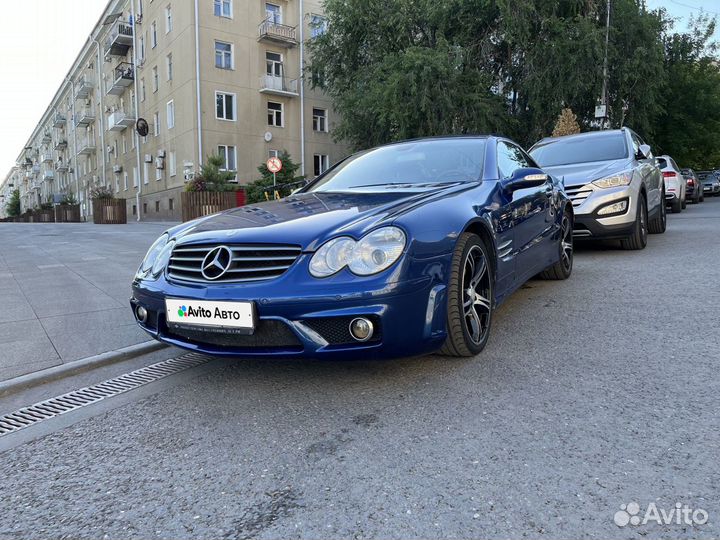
[592, 393]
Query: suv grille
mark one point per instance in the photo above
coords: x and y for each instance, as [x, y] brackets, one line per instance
[249, 262]
[578, 194]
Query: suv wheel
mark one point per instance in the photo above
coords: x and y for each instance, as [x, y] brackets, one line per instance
[470, 298]
[676, 206]
[658, 224]
[638, 239]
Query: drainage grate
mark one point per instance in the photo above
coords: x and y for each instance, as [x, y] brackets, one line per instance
[28, 416]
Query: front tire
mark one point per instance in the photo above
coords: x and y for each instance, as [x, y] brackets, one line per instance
[471, 298]
[563, 267]
[638, 239]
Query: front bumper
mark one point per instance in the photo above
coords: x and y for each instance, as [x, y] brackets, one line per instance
[591, 199]
[409, 318]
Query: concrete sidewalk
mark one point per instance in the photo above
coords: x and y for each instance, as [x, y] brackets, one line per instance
[64, 291]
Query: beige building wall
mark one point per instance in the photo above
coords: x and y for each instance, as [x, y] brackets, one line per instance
[97, 144]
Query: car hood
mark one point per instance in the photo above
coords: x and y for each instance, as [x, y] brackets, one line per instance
[578, 174]
[309, 219]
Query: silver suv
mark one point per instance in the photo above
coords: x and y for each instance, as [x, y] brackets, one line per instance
[617, 190]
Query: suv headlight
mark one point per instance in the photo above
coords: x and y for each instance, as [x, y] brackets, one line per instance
[614, 180]
[152, 255]
[373, 253]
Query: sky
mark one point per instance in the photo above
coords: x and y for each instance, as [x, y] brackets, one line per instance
[41, 39]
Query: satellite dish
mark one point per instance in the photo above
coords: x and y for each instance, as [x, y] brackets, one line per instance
[268, 136]
[142, 127]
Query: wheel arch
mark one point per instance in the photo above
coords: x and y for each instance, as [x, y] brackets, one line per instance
[481, 228]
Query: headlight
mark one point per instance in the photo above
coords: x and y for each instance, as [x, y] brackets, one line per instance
[162, 259]
[373, 253]
[614, 180]
[151, 255]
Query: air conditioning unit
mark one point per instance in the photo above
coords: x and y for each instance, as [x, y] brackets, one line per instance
[159, 163]
[161, 154]
[148, 158]
[117, 169]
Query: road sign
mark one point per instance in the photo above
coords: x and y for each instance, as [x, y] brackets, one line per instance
[274, 165]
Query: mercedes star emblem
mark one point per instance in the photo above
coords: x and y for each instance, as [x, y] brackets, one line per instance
[216, 263]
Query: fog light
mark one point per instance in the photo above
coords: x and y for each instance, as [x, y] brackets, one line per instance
[361, 329]
[615, 208]
[141, 314]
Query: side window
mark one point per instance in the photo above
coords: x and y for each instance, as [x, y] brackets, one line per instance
[509, 159]
[636, 142]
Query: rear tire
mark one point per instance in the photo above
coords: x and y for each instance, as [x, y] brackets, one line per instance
[563, 267]
[676, 207]
[638, 239]
[684, 204]
[471, 298]
[702, 198]
[658, 224]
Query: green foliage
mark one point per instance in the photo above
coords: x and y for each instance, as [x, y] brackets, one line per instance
[69, 199]
[101, 192]
[13, 205]
[211, 178]
[287, 181]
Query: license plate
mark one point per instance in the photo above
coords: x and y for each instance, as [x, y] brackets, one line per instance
[201, 313]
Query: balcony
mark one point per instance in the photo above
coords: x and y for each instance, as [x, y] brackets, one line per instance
[120, 40]
[86, 146]
[123, 76]
[61, 144]
[48, 175]
[278, 34]
[84, 117]
[46, 158]
[278, 86]
[83, 87]
[121, 120]
[46, 138]
[59, 120]
[61, 166]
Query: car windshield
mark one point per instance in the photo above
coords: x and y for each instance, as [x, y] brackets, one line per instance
[410, 165]
[564, 151]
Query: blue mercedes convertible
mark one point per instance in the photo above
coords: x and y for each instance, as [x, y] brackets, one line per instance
[401, 250]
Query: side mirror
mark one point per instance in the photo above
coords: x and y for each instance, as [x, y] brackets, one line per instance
[645, 152]
[525, 178]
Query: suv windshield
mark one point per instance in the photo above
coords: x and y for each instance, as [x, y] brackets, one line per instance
[596, 147]
[408, 165]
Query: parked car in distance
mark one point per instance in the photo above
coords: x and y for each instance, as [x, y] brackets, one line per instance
[710, 183]
[694, 191]
[400, 250]
[616, 189]
[675, 184]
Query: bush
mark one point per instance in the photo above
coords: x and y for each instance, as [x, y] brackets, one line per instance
[286, 181]
[13, 206]
[101, 192]
[566, 124]
[68, 199]
[211, 178]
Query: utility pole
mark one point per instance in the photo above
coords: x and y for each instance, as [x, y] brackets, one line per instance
[604, 99]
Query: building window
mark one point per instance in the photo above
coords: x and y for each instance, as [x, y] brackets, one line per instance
[275, 114]
[223, 8]
[172, 163]
[135, 177]
[125, 181]
[274, 64]
[229, 157]
[169, 66]
[171, 204]
[157, 206]
[273, 153]
[223, 55]
[273, 13]
[142, 89]
[171, 114]
[134, 210]
[156, 124]
[124, 144]
[144, 208]
[155, 80]
[320, 120]
[168, 19]
[141, 49]
[321, 163]
[224, 106]
[318, 25]
[153, 35]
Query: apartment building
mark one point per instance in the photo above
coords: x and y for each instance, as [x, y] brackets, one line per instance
[209, 77]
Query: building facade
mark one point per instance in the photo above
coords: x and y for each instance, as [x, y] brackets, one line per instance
[210, 77]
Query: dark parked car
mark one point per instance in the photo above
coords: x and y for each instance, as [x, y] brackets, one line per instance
[694, 192]
[400, 250]
[710, 183]
[611, 177]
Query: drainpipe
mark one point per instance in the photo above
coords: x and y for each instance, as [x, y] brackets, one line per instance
[102, 111]
[75, 154]
[197, 87]
[137, 111]
[302, 90]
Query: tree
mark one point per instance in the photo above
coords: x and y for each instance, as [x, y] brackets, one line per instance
[286, 181]
[212, 178]
[566, 124]
[13, 205]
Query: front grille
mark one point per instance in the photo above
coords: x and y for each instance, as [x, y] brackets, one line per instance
[249, 262]
[269, 334]
[336, 330]
[578, 194]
